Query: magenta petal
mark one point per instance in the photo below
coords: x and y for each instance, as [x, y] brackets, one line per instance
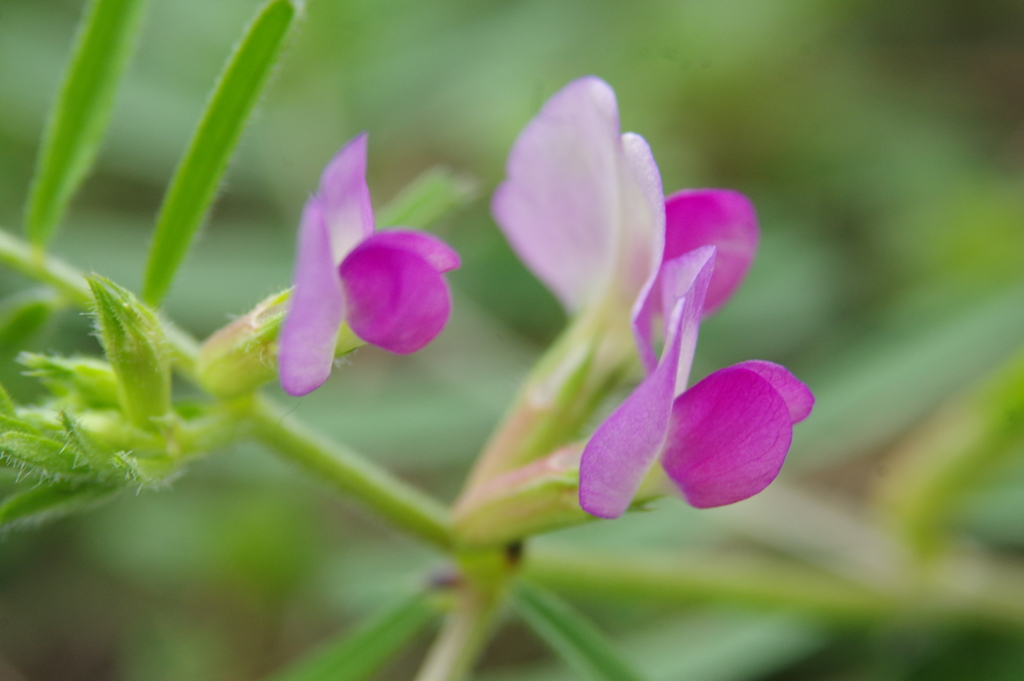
[559, 206]
[717, 217]
[687, 277]
[345, 198]
[729, 438]
[307, 338]
[797, 395]
[684, 277]
[396, 298]
[624, 447]
[437, 253]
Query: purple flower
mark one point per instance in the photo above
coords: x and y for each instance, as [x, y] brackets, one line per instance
[583, 207]
[387, 286]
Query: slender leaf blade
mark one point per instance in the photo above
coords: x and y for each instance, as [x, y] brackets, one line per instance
[570, 635]
[49, 502]
[427, 198]
[79, 117]
[360, 654]
[195, 182]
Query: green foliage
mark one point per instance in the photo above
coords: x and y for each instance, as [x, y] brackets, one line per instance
[48, 502]
[79, 117]
[199, 174]
[430, 196]
[137, 350]
[573, 637]
[358, 654]
[85, 381]
[59, 451]
[22, 316]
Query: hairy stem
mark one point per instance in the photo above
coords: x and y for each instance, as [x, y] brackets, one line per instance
[71, 284]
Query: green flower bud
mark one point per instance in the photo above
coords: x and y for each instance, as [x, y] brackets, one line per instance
[137, 351]
[242, 356]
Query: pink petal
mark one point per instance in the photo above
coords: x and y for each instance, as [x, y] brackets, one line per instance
[345, 198]
[797, 395]
[686, 276]
[643, 219]
[717, 217]
[440, 255]
[307, 338]
[559, 206]
[624, 447]
[730, 435]
[397, 300]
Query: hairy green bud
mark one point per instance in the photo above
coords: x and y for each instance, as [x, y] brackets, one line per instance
[242, 356]
[137, 350]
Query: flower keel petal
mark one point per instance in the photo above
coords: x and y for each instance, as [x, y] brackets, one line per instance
[437, 253]
[729, 438]
[397, 300]
[797, 395]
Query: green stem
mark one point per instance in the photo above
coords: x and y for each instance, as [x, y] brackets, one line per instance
[71, 284]
[967, 588]
[942, 459]
[752, 581]
[394, 500]
[589, 359]
[483, 583]
[465, 632]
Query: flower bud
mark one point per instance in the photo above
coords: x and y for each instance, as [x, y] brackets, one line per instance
[242, 356]
[136, 348]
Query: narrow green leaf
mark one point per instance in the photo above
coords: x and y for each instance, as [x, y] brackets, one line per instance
[48, 502]
[39, 456]
[358, 655]
[90, 381]
[427, 198]
[79, 117]
[578, 641]
[199, 173]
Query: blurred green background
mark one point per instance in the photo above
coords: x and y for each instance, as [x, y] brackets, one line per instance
[883, 144]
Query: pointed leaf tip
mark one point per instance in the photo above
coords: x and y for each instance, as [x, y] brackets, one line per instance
[194, 186]
[79, 117]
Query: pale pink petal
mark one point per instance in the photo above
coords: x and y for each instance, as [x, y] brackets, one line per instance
[717, 217]
[624, 447]
[559, 205]
[396, 298]
[307, 338]
[797, 395]
[729, 438]
[643, 219]
[345, 198]
[440, 255]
